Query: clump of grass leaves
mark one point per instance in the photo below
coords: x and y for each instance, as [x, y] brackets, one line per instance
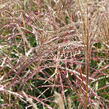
[54, 54]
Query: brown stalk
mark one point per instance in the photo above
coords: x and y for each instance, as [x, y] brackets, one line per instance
[87, 46]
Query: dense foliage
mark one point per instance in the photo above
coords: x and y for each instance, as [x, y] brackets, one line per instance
[54, 54]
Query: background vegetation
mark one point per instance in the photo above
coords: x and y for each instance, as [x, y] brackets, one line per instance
[54, 54]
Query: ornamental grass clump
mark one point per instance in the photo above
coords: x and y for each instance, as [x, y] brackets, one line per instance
[54, 54]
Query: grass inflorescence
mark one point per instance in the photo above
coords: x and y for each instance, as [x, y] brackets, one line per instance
[54, 54]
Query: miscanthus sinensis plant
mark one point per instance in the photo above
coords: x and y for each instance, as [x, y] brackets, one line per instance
[54, 54]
